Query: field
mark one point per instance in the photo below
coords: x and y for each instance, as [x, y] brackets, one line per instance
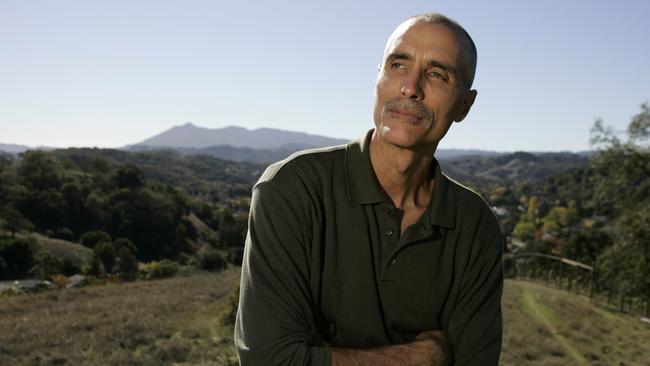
[164, 322]
[546, 326]
[178, 322]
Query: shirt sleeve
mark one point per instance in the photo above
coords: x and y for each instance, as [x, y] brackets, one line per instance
[475, 330]
[275, 323]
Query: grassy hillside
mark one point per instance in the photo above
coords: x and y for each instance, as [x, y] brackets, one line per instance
[177, 321]
[546, 326]
[174, 321]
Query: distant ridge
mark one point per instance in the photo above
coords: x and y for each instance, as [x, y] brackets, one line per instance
[13, 148]
[192, 136]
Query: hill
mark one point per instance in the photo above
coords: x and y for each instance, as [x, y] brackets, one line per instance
[546, 326]
[177, 321]
[510, 168]
[189, 135]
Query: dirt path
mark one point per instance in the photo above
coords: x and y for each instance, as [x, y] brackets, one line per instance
[547, 318]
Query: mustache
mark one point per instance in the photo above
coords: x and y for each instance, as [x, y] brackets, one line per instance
[408, 105]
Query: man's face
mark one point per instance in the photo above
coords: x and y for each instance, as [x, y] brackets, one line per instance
[420, 90]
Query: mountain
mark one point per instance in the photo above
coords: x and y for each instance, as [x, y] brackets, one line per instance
[13, 149]
[511, 167]
[191, 136]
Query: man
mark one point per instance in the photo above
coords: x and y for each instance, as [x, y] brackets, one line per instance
[366, 254]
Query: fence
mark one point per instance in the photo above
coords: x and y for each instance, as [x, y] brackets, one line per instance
[574, 277]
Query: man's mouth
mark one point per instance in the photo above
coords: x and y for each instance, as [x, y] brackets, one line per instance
[404, 114]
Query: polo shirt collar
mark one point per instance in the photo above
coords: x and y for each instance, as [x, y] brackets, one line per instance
[363, 187]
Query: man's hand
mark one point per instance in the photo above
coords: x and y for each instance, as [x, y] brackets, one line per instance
[429, 348]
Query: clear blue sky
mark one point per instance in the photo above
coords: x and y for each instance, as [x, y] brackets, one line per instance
[111, 73]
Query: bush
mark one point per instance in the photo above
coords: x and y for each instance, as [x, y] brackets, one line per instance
[229, 314]
[106, 253]
[17, 256]
[212, 260]
[64, 233]
[70, 267]
[127, 264]
[120, 243]
[163, 269]
[92, 238]
[46, 265]
[236, 255]
[3, 267]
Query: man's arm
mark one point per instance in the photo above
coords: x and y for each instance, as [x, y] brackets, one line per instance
[475, 327]
[429, 349]
[276, 322]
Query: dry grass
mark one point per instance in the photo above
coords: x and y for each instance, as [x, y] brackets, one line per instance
[174, 321]
[546, 326]
[178, 322]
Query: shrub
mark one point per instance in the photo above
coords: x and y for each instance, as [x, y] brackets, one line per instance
[17, 256]
[120, 243]
[92, 238]
[106, 253]
[70, 267]
[211, 259]
[127, 264]
[59, 280]
[229, 314]
[64, 233]
[46, 265]
[163, 269]
[3, 267]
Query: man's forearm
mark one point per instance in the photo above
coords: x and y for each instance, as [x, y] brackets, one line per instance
[429, 348]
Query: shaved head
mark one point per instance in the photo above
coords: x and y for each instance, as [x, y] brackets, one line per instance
[467, 59]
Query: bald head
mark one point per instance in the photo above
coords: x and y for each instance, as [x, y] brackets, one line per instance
[467, 59]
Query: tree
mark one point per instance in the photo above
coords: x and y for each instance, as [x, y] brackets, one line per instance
[92, 238]
[106, 253]
[46, 265]
[586, 246]
[627, 262]
[639, 128]
[39, 170]
[129, 177]
[17, 255]
[127, 264]
[13, 221]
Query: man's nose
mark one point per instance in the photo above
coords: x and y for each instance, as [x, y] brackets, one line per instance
[411, 87]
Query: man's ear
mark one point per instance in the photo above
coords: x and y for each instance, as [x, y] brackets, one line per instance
[466, 105]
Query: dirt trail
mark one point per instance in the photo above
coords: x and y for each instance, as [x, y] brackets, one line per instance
[546, 317]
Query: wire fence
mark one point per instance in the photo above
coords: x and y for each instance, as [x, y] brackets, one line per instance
[574, 277]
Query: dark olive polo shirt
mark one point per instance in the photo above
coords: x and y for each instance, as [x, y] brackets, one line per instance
[325, 263]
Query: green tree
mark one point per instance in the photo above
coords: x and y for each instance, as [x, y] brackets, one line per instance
[106, 253]
[127, 264]
[39, 170]
[129, 177]
[17, 255]
[46, 265]
[13, 221]
[586, 246]
[92, 238]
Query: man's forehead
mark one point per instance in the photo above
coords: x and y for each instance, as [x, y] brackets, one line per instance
[419, 34]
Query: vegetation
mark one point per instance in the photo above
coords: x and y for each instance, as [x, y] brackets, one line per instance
[125, 207]
[171, 321]
[188, 321]
[545, 326]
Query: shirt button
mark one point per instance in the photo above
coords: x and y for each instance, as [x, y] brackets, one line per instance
[389, 232]
[393, 261]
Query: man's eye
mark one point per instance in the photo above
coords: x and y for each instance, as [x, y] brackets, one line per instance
[437, 75]
[396, 66]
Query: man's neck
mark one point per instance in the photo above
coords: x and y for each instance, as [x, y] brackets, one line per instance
[402, 173]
